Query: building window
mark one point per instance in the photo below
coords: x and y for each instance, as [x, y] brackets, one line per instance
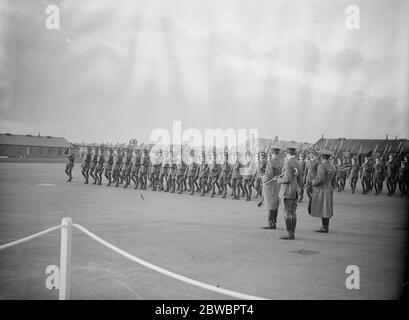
[49, 151]
[59, 151]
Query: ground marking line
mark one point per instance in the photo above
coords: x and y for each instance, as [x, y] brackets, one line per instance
[164, 271]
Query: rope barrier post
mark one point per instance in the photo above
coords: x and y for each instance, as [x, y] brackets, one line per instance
[65, 258]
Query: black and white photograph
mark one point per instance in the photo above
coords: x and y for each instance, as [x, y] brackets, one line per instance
[203, 150]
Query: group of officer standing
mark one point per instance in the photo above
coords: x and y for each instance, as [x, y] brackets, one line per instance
[276, 180]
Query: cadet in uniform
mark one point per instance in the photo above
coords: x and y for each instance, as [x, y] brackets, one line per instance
[378, 176]
[117, 166]
[311, 172]
[271, 187]
[180, 173]
[225, 174]
[235, 178]
[402, 178]
[108, 166]
[191, 172]
[135, 167]
[143, 171]
[322, 197]
[366, 175]
[260, 169]
[247, 175]
[163, 173]
[99, 168]
[94, 161]
[86, 164]
[289, 190]
[126, 168]
[391, 175]
[70, 163]
[171, 179]
[214, 172]
[301, 178]
[156, 164]
[354, 173]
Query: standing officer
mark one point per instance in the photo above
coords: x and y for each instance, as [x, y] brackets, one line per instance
[271, 188]
[322, 196]
[70, 163]
[86, 164]
[289, 190]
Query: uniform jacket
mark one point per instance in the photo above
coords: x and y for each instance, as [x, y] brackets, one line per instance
[289, 180]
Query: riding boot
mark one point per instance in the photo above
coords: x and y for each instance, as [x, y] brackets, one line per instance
[289, 227]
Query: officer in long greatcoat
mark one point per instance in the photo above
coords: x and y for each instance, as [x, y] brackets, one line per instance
[271, 188]
[322, 196]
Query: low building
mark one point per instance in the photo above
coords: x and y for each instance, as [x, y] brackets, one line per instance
[32, 146]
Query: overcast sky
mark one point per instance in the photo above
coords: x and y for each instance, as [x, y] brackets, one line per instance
[120, 69]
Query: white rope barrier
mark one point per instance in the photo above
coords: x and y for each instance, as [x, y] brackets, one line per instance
[166, 272]
[29, 238]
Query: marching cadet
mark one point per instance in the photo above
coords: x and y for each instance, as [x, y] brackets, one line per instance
[202, 174]
[403, 178]
[391, 175]
[345, 171]
[225, 173]
[288, 193]
[180, 173]
[135, 167]
[247, 175]
[117, 166]
[271, 187]
[99, 168]
[378, 176]
[235, 177]
[311, 167]
[191, 172]
[354, 173]
[126, 168]
[214, 172]
[163, 173]
[156, 164]
[322, 196]
[94, 161]
[108, 166]
[70, 163]
[86, 164]
[338, 170]
[366, 175]
[143, 171]
[260, 170]
[301, 178]
[170, 178]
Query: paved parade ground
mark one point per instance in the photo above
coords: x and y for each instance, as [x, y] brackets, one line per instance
[216, 241]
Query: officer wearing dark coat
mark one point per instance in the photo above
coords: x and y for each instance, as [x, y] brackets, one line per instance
[271, 187]
[321, 203]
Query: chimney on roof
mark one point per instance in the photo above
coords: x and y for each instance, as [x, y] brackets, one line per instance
[39, 134]
[322, 136]
[386, 137]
